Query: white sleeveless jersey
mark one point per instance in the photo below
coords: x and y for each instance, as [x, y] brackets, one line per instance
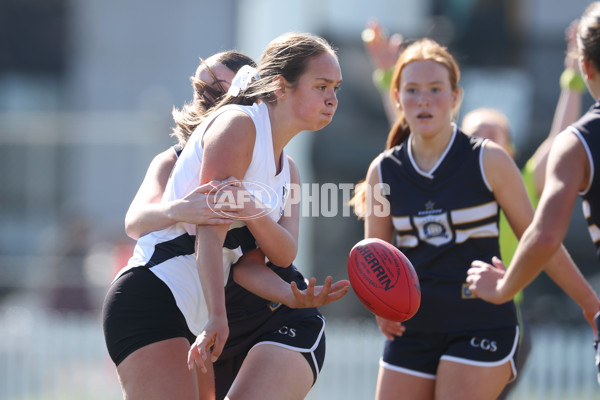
[169, 253]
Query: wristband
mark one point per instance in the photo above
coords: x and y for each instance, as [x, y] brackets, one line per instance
[572, 80]
[382, 78]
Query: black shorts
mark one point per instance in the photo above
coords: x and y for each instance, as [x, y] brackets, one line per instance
[306, 336]
[419, 353]
[139, 309]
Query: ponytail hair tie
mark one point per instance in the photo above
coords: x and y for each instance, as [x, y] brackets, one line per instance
[242, 79]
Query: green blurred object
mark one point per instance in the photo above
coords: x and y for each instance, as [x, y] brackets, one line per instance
[571, 79]
[382, 78]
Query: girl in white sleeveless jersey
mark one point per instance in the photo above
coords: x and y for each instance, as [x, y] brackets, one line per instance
[292, 90]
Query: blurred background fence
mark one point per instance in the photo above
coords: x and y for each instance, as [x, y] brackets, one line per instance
[45, 357]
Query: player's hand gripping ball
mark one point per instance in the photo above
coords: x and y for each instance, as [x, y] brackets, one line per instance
[384, 279]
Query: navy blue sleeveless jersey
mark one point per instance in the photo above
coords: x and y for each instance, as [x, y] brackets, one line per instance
[587, 129]
[443, 220]
[250, 316]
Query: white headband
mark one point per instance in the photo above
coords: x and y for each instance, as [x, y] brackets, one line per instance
[241, 80]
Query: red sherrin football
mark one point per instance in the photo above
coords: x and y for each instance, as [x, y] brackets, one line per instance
[384, 279]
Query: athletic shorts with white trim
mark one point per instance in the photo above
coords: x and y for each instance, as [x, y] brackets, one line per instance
[306, 336]
[419, 353]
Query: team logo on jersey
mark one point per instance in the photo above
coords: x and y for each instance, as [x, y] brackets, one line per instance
[434, 228]
[429, 206]
[232, 195]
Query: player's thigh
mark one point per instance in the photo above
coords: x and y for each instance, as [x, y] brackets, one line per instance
[393, 385]
[272, 372]
[159, 371]
[457, 380]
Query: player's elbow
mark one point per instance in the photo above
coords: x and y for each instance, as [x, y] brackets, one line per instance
[547, 241]
[131, 229]
[285, 259]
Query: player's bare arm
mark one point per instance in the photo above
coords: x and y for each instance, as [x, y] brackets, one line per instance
[252, 274]
[279, 240]
[545, 235]
[148, 214]
[376, 225]
[227, 151]
[381, 227]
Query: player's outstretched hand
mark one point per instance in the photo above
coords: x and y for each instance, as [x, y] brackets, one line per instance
[390, 329]
[383, 51]
[316, 296]
[483, 280]
[210, 342]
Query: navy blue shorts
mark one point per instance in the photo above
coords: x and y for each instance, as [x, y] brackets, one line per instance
[419, 353]
[306, 336]
[139, 309]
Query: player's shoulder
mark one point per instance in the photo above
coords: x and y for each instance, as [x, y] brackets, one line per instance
[374, 165]
[235, 116]
[570, 143]
[164, 160]
[231, 127]
[373, 175]
[494, 153]
[498, 167]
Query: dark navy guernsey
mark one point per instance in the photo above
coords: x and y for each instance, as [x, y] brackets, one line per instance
[587, 129]
[443, 220]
